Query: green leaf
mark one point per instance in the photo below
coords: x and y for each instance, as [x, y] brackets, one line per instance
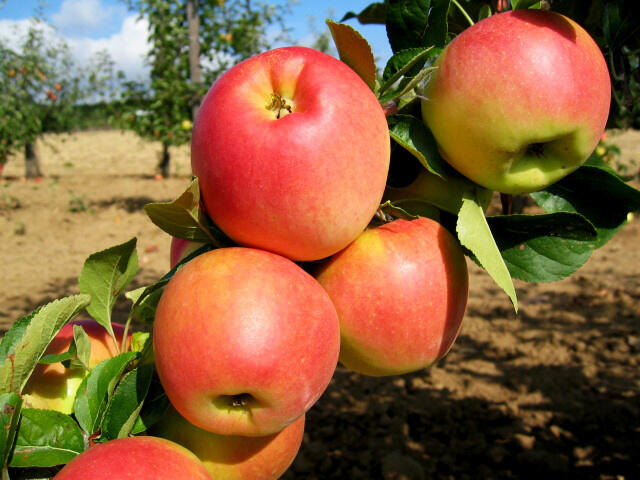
[417, 23]
[82, 344]
[411, 209]
[543, 248]
[27, 340]
[154, 407]
[406, 63]
[484, 12]
[104, 276]
[96, 389]
[46, 438]
[184, 218]
[474, 234]
[595, 192]
[10, 405]
[373, 13]
[354, 50]
[410, 133]
[126, 403]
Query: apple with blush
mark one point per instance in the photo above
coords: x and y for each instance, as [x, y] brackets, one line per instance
[291, 149]
[519, 100]
[245, 341]
[400, 291]
[234, 457]
[142, 458]
[54, 387]
[180, 249]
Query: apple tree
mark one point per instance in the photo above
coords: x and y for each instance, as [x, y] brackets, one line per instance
[123, 396]
[192, 43]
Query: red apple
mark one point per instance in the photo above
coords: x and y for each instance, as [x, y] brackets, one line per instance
[291, 149]
[52, 386]
[234, 457]
[519, 100]
[245, 341]
[139, 458]
[180, 249]
[400, 291]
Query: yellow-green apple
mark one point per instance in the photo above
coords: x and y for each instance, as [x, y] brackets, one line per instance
[234, 457]
[139, 458]
[519, 100]
[446, 193]
[291, 149]
[54, 387]
[180, 249]
[245, 341]
[401, 292]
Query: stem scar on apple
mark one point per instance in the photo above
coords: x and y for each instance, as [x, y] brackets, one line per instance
[277, 104]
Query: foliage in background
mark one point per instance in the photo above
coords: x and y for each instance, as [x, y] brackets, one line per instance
[41, 88]
[229, 31]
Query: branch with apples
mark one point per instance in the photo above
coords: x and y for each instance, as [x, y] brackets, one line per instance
[328, 221]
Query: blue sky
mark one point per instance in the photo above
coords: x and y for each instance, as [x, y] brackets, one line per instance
[91, 25]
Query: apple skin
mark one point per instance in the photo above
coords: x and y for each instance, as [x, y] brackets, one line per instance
[401, 292]
[53, 387]
[444, 193]
[142, 458]
[245, 341]
[180, 249]
[519, 100]
[303, 185]
[235, 457]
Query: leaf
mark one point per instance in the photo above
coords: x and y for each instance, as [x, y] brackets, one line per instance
[410, 133]
[126, 403]
[484, 12]
[104, 276]
[596, 193]
[474, 234]
[543, 248]
[411, 209]
[46, 438]
[355, 51]
[184, 218]
[154, 407]
[373, 13]
[96, 389]
[405, 63]
[27, 340]
[10, 404]
[417, 23]
[82, 344]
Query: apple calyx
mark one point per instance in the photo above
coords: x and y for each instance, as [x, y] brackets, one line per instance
[278, 104]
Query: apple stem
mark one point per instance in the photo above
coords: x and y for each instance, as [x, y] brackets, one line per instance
[277, 104]
[464, 12]
[507, 203]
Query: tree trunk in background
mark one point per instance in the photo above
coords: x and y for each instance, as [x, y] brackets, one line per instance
[31, 161]
[163, 166]
[195, 73]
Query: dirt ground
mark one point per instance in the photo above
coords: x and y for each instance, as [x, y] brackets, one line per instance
[551, 392]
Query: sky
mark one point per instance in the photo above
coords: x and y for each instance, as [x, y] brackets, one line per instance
[92, 25]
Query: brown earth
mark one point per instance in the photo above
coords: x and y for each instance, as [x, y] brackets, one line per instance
[551, 392]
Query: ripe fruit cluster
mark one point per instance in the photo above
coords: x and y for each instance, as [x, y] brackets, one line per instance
[291, 149]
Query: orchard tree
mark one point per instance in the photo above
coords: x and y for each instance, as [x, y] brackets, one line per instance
[40, 90]
[192, 43]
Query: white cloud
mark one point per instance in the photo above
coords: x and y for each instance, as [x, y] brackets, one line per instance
[85, 16]
[126, 47]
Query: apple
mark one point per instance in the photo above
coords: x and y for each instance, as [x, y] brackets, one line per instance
[291, 149]
[401, 292]
[519, 100]
[445, 193]
[180, 249]
[142, 458]
[245, 341]
[52, 386]
[235, 457]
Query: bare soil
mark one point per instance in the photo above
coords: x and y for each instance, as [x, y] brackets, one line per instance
[550, 392]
